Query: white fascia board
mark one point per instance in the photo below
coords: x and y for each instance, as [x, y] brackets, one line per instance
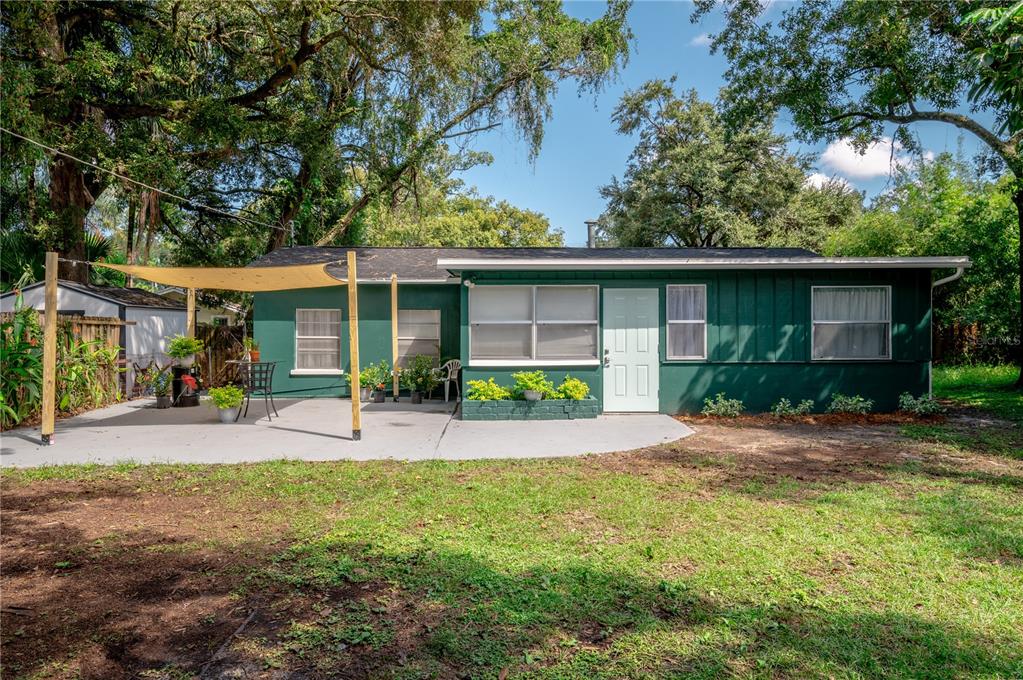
[557, 264]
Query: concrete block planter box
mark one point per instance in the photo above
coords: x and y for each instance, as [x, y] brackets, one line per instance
[546, 409]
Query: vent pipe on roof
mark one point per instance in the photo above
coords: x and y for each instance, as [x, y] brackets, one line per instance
[591, 233]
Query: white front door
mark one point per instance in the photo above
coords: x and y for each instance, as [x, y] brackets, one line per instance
[631, 360]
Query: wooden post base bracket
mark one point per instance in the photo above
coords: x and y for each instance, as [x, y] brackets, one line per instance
[48, 440]
[356, 435]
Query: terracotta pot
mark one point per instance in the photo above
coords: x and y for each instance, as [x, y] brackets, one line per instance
[253, 355]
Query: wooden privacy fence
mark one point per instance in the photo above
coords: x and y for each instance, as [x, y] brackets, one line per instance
[102, 332]
[220, 345]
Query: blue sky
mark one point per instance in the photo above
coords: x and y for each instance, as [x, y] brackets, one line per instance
[582, 151]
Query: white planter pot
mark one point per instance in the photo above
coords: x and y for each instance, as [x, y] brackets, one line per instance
[531, 395]
[228, 415]
[365, 393]
[186, 362]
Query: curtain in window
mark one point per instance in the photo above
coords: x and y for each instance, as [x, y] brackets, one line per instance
[506, 321]
[687, 321]
[418, 333]
[851, 323]
[318, 339]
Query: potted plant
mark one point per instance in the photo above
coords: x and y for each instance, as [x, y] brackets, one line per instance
[533, 385]
[251, 348]
[370, 378]
[380, 378]
[161, 384]
[183, 349]
[419, 376]
[228, 400]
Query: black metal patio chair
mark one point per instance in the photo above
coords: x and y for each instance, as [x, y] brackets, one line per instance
[259, 378]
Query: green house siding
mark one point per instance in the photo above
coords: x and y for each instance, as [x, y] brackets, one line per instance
[274, 328]
[758, 337]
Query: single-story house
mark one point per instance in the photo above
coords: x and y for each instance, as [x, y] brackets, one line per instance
[649, 329]
[154, 317]
[223, 314]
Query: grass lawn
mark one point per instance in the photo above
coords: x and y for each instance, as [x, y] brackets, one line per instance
[980, 391]
[789, 551]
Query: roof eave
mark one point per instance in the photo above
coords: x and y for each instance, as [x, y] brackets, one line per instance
[625, 264]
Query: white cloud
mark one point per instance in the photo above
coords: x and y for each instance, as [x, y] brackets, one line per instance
[877, 161]
[701, 40]
[819, 179]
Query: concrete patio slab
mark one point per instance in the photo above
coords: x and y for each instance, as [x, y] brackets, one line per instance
[318, 430]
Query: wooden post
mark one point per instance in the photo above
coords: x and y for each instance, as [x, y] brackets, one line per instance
[394, 333]
[353, 345]
[49, 350]
[190, 312]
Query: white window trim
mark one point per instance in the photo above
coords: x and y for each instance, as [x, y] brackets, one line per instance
[533, 323]
[316, 371]
[669, 322]
[340, 352]
[813, 325]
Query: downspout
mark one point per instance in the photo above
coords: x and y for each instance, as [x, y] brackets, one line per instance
[958, 274]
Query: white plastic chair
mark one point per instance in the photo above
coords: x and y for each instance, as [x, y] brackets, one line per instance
[450, 372]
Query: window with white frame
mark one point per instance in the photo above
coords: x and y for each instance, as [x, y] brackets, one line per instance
[852, 322]
[418, 333]
[542, 324]
[687, 321]
[317, 339]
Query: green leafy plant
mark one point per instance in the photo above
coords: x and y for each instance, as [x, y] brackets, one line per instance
[420, 375]
[722, 406]
[21, 365]
[924, 405]
[573, 388]
[182, 347]
[535, 381]
[250, 343]
[784, 408]
[854, 404]
[373, 375]
[229, 396]
[487, 390]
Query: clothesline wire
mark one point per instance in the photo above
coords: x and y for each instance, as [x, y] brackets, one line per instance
[142, 184]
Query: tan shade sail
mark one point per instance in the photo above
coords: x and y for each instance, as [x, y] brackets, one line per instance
[248, 279]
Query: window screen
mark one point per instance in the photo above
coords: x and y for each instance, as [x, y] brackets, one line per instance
[687, 322]
[318, 339]
[418, 333]
[851, 322]
[533, 323]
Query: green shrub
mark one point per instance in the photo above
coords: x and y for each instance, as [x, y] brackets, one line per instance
[721, 406]
[487, 390]
[375, 376]
[535, 381]
[181, 347]
[86, 376]
[228, 396]
[420, 375]
[784, 408]
[573, 388]
[924, 405]
[854, 404]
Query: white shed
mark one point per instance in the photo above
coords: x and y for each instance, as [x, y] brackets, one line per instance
[156, 317]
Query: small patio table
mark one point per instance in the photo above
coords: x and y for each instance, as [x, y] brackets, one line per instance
[257, 376]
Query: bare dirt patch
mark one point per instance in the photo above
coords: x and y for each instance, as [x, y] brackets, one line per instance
[736, 451]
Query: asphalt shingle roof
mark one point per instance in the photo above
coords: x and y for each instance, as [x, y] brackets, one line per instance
[421, 263]
[129, 297]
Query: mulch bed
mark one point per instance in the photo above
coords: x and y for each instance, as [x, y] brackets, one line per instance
[831, 419]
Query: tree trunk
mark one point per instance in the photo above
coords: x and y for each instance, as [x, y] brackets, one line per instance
[1017, 198]
[292, 204]
[70, 200]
